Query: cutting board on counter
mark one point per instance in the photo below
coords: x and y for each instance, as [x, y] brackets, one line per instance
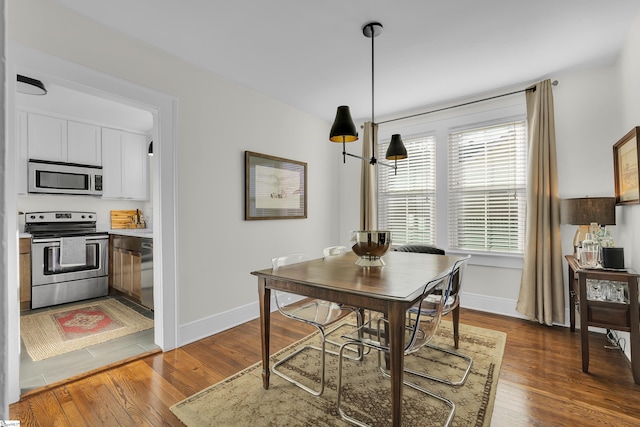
[123, 219]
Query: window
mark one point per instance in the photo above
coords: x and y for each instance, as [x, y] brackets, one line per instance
[407, 200]
[487, 188]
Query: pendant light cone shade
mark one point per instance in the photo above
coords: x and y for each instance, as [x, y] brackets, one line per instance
[396, 150]
[343, 128]
[30, 86]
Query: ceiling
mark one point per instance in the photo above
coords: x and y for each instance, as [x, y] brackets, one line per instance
[313, 56]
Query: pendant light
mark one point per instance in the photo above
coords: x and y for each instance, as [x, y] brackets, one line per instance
[344, 130]
[30, 86]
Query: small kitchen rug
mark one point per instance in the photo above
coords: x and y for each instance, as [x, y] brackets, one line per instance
[54, 332]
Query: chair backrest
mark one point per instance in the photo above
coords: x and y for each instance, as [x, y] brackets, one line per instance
[424, 319]
[283, 299]
[423, 249]
[334, 250]
[289, 259]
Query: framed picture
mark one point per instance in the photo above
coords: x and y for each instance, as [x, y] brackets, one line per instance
[625, 168]
[274, 188]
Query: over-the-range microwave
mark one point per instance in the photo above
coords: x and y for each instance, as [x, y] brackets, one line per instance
[64, 178]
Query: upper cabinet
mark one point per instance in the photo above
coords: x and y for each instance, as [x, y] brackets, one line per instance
[59, 140]
[124, 165]
[47, 138]
[84, 144]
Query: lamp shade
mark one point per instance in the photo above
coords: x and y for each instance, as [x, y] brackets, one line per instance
[30, 86]
[396, 150]
[584, 211]
[343, 128]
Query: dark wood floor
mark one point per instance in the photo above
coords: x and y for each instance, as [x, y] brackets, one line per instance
[541, 381]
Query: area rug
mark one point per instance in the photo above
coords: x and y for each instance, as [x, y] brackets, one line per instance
[54, 332]
[241, 400]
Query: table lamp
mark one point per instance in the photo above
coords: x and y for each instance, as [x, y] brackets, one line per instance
[584, 211]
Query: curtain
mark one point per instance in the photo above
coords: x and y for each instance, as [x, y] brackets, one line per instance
[369, 181]
[541, 288]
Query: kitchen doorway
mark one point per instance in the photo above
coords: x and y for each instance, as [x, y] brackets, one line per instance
[67, 74]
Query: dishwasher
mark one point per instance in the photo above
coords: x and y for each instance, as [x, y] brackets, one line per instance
[147, 272]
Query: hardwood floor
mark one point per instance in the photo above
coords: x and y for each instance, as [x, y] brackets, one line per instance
[541, 381]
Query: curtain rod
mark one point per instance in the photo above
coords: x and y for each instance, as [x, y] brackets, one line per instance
[532, 88]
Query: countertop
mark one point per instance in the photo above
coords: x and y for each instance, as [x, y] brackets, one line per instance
[133, 232]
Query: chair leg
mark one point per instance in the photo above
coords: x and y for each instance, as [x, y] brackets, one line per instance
[323, 351]
[343, 414]
[282, 375]
[443, 380]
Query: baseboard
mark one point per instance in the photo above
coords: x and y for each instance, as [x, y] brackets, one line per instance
[202, 328]
[489, 304]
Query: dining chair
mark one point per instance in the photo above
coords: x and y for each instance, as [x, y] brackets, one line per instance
[420, 328]
[334, 250]
[315, 312]
[453, 303]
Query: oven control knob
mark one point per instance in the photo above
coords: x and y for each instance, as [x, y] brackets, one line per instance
[32, 216]
[82, 216]
[41, 217]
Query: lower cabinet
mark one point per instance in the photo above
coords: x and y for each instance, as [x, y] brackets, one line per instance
[25, 273]
[125, 269]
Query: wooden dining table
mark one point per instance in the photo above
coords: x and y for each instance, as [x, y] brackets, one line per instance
[390, 289]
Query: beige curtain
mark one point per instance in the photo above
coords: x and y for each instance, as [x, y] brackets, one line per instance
[541, 288]
[369, 181]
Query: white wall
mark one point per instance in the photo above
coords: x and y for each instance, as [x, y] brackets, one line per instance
[6, 293]
[217, 121]
[628, 217]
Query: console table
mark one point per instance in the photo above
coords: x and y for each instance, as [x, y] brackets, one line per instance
[604, 314]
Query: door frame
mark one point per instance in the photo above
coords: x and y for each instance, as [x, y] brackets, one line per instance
[24, 60]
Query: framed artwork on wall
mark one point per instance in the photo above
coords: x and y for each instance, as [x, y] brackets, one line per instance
[274, 188]
[625, 168]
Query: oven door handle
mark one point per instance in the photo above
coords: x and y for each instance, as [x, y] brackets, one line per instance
[57, 239]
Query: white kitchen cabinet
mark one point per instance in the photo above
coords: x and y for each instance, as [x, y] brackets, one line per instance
[22, 152]
[47, 138]
[84, 144]
[124, 165]
[59, 140]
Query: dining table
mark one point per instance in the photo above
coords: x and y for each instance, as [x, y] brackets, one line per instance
[390, 289]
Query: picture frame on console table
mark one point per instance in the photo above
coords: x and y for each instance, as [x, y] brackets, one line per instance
[275, 188]
[625, 167]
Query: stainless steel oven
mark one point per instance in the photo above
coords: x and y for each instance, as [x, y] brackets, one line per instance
[69, 258]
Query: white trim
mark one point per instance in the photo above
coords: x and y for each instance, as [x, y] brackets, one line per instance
[203, 328]
[164, 108]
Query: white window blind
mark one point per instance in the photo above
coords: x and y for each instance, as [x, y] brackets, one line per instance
[487, 188]
[407, 200]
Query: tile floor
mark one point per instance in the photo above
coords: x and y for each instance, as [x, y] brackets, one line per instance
[34, 375]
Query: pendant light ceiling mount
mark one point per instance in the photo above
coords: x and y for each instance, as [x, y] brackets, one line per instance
[344, 130]
[30, 86]
[372, 29]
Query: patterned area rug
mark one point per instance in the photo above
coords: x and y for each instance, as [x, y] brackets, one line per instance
[54, 332]
[241, 401]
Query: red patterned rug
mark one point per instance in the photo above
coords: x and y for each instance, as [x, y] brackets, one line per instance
[53, 332]
[86, 321]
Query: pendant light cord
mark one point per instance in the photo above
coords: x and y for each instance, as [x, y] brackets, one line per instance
[373, 160]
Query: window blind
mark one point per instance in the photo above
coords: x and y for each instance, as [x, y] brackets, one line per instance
[487, 188]
[406, 200]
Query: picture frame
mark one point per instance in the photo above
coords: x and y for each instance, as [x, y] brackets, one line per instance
[625, 167]
[275, 188]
